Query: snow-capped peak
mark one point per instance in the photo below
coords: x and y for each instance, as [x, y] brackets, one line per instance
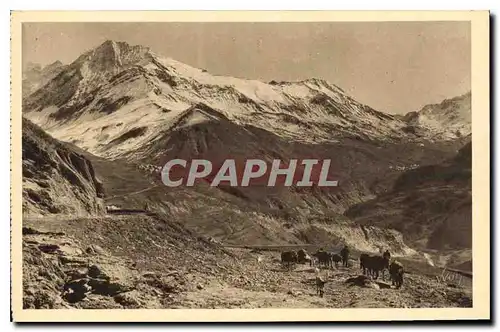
[111, 55]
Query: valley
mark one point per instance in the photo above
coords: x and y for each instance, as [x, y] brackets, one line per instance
[97, 132]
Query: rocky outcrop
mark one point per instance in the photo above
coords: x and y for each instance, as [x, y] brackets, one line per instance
[56, 179]
[116, 262]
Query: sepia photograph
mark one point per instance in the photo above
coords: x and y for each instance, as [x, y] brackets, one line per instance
[255, 162]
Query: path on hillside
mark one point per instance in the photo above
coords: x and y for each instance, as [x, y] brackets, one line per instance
[132, 193]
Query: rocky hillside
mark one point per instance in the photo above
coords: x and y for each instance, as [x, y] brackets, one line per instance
[146, 262]
[135, 261]
[431, 205]
[56, 179]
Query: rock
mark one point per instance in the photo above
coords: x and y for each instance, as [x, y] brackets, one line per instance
[438, 293]
[149, 274]
[96, 272]
[30, 231]
[94, 249]
[40, 300]
[199, 286]
[360, 280]
[128, 299]
[70, 259]
[76, 274]
[167, 285]
[48, 275]
[48, 248]
[294, 292]
[465, 301]
[363, 281]
[76, 290]
[372, 285]
[105, 287]
[29, 291]
[383, 285]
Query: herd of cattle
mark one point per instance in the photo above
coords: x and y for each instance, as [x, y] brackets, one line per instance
[372, 265]
[321, 258]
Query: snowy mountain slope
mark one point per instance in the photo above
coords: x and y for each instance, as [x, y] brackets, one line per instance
[117, 88]
[447, 120]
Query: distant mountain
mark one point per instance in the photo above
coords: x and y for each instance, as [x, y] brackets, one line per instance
[447, 120]
[56, 179]
[34, 76]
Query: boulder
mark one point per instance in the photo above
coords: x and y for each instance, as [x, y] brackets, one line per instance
[96, 272]
[49, 248]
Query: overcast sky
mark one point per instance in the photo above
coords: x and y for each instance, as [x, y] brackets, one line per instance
[395, 67]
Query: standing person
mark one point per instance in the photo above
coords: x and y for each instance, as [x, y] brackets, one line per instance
[387, 254]
[345, 256]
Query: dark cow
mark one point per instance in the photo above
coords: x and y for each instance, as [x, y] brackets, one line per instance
[324, 258]
[396, 272]
[379, 264]
[289, 259]
[373, 265]
[303, 257]
[363, 258]
[336, 258]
